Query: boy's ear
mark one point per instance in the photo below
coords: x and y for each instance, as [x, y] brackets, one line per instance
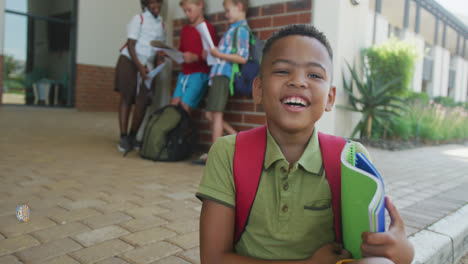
[330, 99]
[257, 90]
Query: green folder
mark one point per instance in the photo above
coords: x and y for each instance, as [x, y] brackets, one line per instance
[362, 199]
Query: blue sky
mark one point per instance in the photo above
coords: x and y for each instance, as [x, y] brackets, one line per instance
[15, 30]
[15, 25]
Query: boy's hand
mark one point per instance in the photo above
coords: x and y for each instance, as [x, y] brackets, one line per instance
[391, 244]
[143, 72]
[160, 57]
[215, 52]
[330, 253]
[190, 57]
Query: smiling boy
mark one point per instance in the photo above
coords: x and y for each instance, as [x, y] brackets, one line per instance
[295, 88]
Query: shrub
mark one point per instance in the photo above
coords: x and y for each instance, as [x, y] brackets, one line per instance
[391, 60]
[445, 101]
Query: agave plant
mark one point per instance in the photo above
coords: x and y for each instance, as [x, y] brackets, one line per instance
[373, 99]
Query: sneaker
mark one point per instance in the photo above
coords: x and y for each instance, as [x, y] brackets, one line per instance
[124, 144]
[201, 160]
[134, 142]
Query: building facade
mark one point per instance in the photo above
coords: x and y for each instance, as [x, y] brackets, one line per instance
[97, 29]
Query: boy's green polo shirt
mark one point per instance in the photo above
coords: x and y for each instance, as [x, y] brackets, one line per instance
[292, 215]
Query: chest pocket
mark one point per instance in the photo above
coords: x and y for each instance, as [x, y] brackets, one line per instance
[318, 207]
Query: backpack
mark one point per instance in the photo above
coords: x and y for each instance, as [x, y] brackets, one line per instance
[248, 162]
[243, 75]
[169, 135]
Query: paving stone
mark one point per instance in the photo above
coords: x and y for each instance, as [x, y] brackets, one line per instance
[143, 223]
[180, 195]
[146, 211]
[10, 259]
[171, 260]
[62, 260]
[186, 241]
[19, 228]
[14, 244]
[110, 208]
[74, 215]
[180, 215]
[82, 204]
[90, 238]
[185, 227]
[48, 250]
[101, 251]
[192, 255]
[1, 237]
[60, 231]
[120, 198]
[114, 260]
[151, 253]
[106, 219]
[148, 236]
[47, 212]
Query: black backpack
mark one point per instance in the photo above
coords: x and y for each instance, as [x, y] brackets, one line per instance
[243, 75]
[170, 135]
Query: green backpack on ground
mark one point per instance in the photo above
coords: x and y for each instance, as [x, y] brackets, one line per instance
[169, 135]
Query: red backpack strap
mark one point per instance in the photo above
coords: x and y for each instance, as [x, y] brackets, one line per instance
[249, 156]
[331, 147]
[141, 18]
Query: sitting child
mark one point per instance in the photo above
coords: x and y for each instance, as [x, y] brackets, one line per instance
[295, 88]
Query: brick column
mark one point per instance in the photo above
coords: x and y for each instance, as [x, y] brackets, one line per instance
[241, 112]
[94, 88]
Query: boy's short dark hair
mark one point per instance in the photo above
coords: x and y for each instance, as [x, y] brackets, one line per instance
[301, 30]
[245, 4]
[145, 2]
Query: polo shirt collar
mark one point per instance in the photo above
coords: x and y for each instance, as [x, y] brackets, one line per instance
[147, 13]
[311, 159]
[238, 23]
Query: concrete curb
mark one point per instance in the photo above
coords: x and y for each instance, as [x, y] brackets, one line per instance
[445, 241]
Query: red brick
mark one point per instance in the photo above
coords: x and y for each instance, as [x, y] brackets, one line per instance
[94, 89]
[241, 106]
[280, 21]
[270, 10]
[305, 18]
[233, 117]
[259, 108]
[239, 128]
[254, 119]
[204, 137]
[260, 22]
[299, 5]
[221, 17]
[265, 34]
[211, 18]
[253, 12]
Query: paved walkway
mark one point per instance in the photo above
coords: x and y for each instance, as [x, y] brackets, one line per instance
[91, 205]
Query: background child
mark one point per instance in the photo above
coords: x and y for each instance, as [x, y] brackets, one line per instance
[291, 219]
[135, 56]
[220, 74]
[192, 81]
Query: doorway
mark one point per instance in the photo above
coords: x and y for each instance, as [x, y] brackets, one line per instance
[39, 52]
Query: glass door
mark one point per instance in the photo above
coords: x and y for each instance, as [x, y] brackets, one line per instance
[39, 52]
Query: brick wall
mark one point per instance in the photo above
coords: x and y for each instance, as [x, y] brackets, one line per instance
[1, 79]
[241, 112]
[94, 88]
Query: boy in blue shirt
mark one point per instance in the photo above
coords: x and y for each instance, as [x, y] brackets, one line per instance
[220, 73]
[295, 88]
